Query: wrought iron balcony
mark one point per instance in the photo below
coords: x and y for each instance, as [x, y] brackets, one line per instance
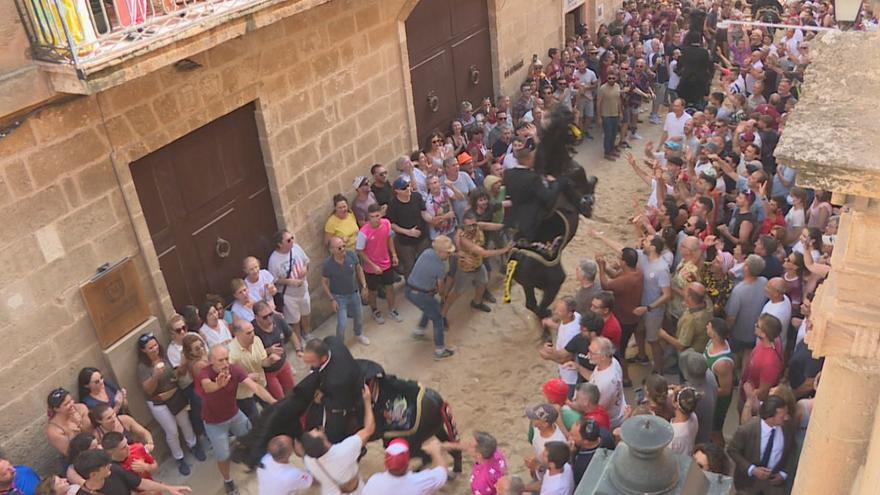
[87, 33]
[86, 46]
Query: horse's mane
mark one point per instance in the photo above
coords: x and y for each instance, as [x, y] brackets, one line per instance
[557, 144]
[281, 418]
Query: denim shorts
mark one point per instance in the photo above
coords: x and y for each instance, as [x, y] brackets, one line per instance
[218, 433]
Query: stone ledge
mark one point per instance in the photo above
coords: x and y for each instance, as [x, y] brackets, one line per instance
[830, 139]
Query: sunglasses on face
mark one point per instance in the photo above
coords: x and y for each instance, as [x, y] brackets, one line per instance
[436, 141]
[179, 329]
[56, 397]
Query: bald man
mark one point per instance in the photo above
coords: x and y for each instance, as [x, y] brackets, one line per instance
[691, 330]
[276, 474]
[217, 385]
[778, 305]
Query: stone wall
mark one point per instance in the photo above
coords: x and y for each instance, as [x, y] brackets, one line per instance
[330, 94]
[522, 28]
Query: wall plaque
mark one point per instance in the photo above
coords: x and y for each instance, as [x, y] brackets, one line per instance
[115, 301]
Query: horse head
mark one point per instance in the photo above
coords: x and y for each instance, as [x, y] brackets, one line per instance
[281, 418]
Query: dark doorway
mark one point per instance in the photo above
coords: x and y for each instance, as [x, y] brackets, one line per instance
[449, 58]
[207, 204]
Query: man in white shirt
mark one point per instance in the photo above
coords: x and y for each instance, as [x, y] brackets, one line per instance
[398, 479]
[608, 376]
[335, 466]
[673, 126]
[778, 305]
[566, 321]
[276, 475]
[763, 468]
[559, 478]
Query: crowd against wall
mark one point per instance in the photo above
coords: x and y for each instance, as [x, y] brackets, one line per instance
[716, 296]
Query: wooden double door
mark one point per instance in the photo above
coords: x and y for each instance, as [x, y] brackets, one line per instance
[449, 58]
[207, 204]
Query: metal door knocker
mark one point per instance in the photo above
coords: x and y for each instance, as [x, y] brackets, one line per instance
[475, 75]
[223, 247]
[433, 102]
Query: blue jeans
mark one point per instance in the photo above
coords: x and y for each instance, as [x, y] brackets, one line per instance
[348, 303]
[610, 128]
[431, 310]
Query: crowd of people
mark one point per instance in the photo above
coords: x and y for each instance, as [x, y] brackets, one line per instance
[716, 295]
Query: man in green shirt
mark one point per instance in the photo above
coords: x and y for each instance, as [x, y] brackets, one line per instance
[609, 109]
[691, 330]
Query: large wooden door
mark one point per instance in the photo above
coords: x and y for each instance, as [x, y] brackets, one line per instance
[449, 59]
[207, 205]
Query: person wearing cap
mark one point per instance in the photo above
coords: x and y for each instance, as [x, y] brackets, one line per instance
[543, 418]
[276, 475]
[398, 479]
[335, 465]
[375, 248]
[428, 278]
[363, 198]
[589, 438]
[466, 166]
[408, 216]
[695, 370]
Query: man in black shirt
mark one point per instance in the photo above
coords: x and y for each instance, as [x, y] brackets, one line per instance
[103, 477]
[341, 383]
[592, 438]
[381, 187]
[407, 214]
[531, 199]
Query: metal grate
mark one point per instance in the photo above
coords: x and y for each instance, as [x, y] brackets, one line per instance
[87, 33]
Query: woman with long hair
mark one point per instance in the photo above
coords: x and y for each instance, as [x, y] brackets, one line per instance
[165, 400]
[104, 419]
[215, 330]
[436, 150]
[457, 138]
[94, 390]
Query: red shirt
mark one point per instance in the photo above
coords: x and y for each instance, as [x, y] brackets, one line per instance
[768, 223]
[137, 452]
[220, 406]
[765, 367]
[600, 415]
[611, 330]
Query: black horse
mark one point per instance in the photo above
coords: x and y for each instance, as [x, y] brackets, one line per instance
[538, 265]
[403, 408]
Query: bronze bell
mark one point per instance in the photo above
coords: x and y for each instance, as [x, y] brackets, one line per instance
[641, 464]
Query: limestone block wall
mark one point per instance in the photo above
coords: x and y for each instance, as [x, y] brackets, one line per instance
[330, 92]
[522, 28]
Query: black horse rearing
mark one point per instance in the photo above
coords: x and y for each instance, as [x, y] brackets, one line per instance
[537, 265]
[402, 408]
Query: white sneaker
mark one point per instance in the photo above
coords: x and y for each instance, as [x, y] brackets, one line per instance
[395, 315]
[363, 339]
[636, 135]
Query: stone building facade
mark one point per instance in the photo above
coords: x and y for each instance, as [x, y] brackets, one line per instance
[329, 83]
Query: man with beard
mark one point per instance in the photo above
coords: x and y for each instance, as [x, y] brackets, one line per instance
[340, 383]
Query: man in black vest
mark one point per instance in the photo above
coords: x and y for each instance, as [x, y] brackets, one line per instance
[340, 385]
[531, 199]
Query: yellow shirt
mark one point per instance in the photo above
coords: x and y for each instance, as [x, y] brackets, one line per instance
[252, 362]
[346, 229]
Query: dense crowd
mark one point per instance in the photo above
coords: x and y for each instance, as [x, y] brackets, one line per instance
[716, 295]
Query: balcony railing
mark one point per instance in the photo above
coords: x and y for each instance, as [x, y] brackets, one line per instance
[89, 33]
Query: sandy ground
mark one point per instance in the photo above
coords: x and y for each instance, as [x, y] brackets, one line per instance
[496, 372]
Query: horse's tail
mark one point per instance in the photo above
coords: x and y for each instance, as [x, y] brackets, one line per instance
[277, 419]
[448, 422]
[508, 279]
